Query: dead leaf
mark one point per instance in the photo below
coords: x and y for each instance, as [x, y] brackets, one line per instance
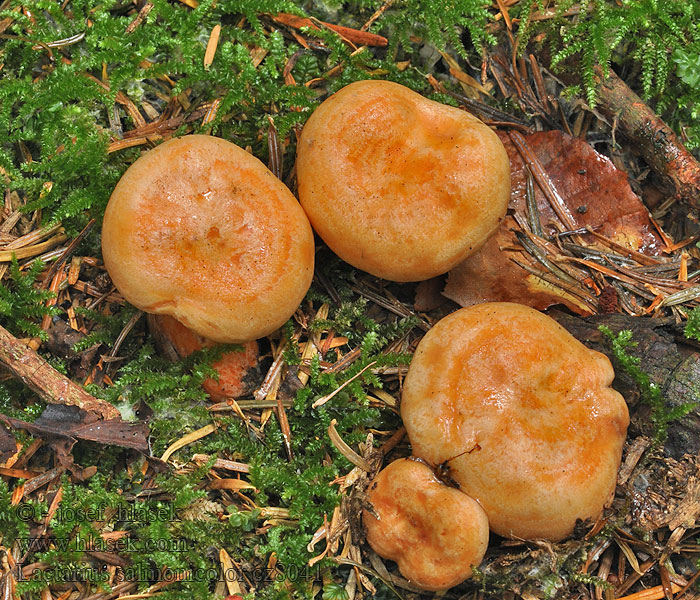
[593, 193]
[492, 276]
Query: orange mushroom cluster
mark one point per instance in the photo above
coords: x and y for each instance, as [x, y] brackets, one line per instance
[201, 234]
[200, 230]
[523, 416]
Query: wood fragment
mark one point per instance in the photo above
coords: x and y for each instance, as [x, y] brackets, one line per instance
[377, 13]
[222, 463]
[140, 18]
[18, 473]
[41, 480]
[634, 453]
[346, 450]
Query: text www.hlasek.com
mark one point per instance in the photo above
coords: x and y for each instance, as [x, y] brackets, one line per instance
[98, 544]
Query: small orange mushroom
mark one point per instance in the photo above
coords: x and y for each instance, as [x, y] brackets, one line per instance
[199, 229]
[398, 185]
[523, 415]
[237, 370]
[434, 532]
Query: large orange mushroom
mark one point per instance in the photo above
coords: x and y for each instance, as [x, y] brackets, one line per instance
[398, 185]
[523, 415]
[199, 229]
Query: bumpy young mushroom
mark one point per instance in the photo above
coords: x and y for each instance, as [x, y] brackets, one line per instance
[435, 533]
[397, 185]
[523, 414]
[199, 229]
[237, 370]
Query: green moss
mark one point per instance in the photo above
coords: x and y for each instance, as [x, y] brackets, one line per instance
[22, 303]
[660, 40]
[692, 326]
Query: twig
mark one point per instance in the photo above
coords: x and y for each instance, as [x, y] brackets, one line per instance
[654, 140]
[42, 378]
[355, 36]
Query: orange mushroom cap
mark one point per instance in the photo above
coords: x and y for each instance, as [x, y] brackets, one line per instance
[199, 229]
[398, 185]
[435, 533]
[522, 412]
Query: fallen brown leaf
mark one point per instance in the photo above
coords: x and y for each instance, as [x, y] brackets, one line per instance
[590, 192]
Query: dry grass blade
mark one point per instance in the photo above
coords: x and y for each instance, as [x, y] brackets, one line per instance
[681, 297]
[323, 399]
[186, 440]
[31, 251]
[212, 45]
[642, 259]
[386, 580]
[533, 214]
[346, 450]
[629, 555]
[274, 148]
[540, 256]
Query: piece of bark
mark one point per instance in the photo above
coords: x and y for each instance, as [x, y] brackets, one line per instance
[7, 443]
[49, 384]
[650, 136]
[70, 423]
[671, 361]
